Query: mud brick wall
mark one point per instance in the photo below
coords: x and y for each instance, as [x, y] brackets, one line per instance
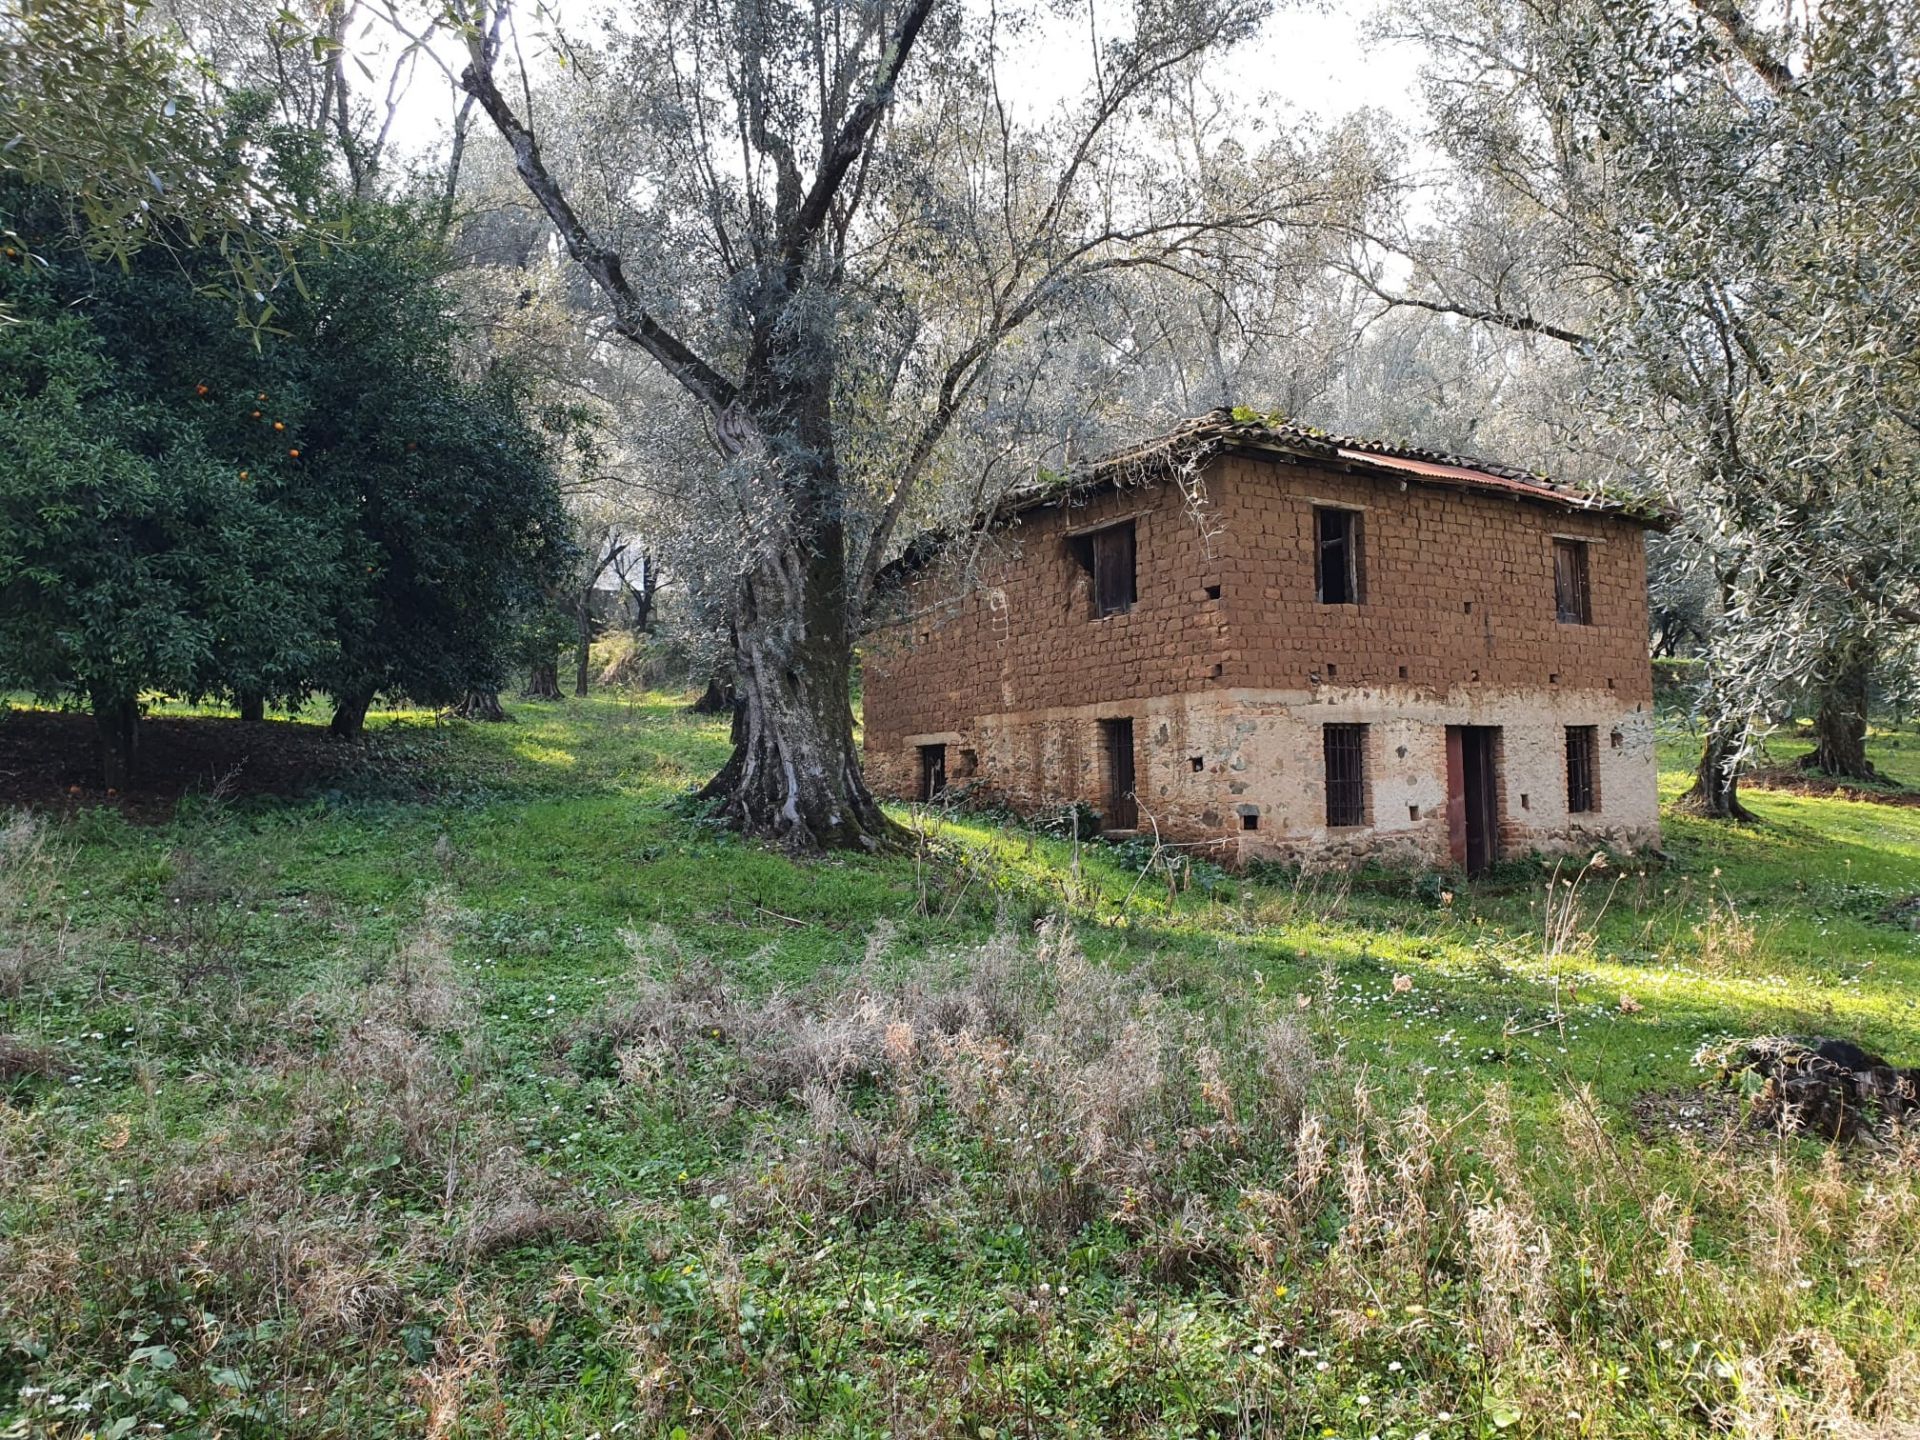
[1457, 588]
[1027, 639]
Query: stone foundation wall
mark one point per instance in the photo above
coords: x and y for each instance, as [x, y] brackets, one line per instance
[1259, 754]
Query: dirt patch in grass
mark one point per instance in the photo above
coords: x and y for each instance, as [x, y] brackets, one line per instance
[47, 759]
[1795, 781]
[1711, 1117]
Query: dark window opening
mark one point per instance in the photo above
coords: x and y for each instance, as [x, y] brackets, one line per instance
[1403, 672]
[1345, 747]
[1572, 593]
[1116, 742]
[1582, 754]
[1199, 763]
[1332, 670]
[1336, 555]
[1113, 569]
[1213, 592]
[933, 771]
[1249, 819]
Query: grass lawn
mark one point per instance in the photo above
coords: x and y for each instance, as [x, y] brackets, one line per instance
[489, 1091]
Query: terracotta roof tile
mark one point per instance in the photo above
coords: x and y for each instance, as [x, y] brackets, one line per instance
[1237, 432]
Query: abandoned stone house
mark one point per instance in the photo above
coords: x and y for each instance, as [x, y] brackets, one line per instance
[1275, 643]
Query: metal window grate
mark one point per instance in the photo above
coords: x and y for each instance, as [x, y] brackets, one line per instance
[1572, 593]
[1346, 757]
[1583, 744]
[1336, 555]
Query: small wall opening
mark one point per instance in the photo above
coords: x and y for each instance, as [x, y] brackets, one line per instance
[1583, 767]
[933, 772]
[1198, 762]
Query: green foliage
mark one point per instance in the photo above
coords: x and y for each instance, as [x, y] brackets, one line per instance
[443, 487]
[139, 547]
[336, 507]
[104, 108]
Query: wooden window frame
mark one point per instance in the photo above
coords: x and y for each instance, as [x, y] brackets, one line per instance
[1343, 752]
[1114, 560]
[1572, 581]
[1351, 570]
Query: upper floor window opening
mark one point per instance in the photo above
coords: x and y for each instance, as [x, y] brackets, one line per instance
[1108, 556]
[1572, 588]
[1337, 571]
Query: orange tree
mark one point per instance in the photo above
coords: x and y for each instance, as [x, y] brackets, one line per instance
[191, 510]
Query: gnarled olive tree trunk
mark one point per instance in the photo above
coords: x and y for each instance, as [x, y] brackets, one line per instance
[1840, 720]
[1715, 792]
[794, 776]
[480, 704]
[543, 681]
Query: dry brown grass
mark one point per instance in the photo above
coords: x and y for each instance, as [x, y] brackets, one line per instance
[33, 934]
[247, 1220]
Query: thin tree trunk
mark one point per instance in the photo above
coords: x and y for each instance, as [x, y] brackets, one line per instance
[543, 683]
[583, 649]
[350, 715]
[116, 723]
[253, 708]
[1840, 722]
[481, 705]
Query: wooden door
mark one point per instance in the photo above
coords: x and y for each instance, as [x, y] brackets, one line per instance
[1473, 797]
[1122, 812]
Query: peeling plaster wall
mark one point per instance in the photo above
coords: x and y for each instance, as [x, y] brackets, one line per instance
[1260, 752]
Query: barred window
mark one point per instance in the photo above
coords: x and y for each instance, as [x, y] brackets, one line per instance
[1583, 746]
[1346, 756]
